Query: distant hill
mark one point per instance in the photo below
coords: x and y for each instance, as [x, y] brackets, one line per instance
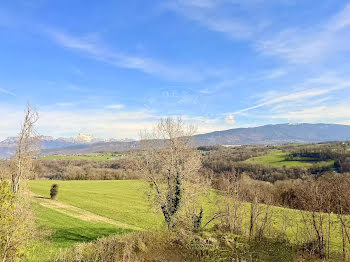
[276, 134]
[90, 148]
[268, 134]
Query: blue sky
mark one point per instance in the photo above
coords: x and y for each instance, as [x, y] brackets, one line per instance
[111, 68]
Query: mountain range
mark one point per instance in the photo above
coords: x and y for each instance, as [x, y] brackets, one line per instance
[277, 134]
[47, 143]
[267, 134]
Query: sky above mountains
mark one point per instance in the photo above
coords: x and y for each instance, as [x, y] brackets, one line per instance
[111, 68]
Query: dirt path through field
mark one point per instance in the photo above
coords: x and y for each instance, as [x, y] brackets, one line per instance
[79, 213]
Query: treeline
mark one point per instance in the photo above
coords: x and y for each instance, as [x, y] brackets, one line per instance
[86, 170]
[125, 168]
[334, 151]
[338, 152]
[219, 161]
[217, 170]
[232, 154]
[216, 162]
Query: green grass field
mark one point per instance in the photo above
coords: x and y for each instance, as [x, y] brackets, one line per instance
[91, 157]
[276, 158]
[61, 231]
[87, 210]
[123, 202]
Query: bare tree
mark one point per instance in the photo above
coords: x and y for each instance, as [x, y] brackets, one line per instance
[170, 163]
[27, 147]
[16, 220]
[261, 197]
[230, 206]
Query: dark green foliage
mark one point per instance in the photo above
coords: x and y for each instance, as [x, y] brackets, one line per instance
[172, 204]
[16, 228]
[54, 191]
[317, 153]
[197, 220]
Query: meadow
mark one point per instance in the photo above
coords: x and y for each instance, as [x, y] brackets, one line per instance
[277, 158]
[87, 210]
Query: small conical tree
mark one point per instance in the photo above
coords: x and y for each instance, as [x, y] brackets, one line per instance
[54, 191]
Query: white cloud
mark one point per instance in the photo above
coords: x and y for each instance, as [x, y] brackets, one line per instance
[276, 73]
[230, 17]
[229, 119]
[90, 46]
[205, 13]
[10, 121]
[64, 104]
[331, 113]
[341, 20]
[233, 28]
[6, 92]
[115, 106]
[310, 89]
[200, 3]
[306, 45]
[101, 123]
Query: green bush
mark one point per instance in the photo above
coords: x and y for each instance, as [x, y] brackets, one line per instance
[54, 191]
[15, 224]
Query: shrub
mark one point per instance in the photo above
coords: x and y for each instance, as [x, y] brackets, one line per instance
[177, 246]
[16, 227]
[54, 191]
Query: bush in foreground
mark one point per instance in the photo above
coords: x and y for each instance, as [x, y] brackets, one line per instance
[54, 191]
[168, 246]
[16, 224]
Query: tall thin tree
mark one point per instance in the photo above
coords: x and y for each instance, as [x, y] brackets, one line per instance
[27, 147]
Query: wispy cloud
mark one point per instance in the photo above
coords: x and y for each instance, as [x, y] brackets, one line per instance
[205, 12]
[115, 106]
[341, 20]
[64, 104]
[6, 92]
[93, 48]
[310, 89]
[299, 45]
[326, 113]
[294, 44]
[273, 74]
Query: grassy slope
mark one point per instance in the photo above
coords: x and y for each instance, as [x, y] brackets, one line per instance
[276, 158]
[62, 231]
[123, 200]
[126, 201]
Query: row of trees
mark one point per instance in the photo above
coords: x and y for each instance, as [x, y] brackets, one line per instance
[333, 151]
[86, 170]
